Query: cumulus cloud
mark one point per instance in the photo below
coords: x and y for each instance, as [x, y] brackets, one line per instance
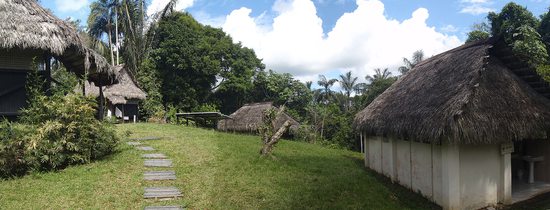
[361, 40]
[476, 7]
[71, 5]
[158, 5]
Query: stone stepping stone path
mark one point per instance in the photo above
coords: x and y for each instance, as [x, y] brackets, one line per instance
[158, 163]
[149, 138]
[154, 156]
[159, 175]
[146, 148]
[161, 193]
[157, 160]
[133, 143]
[163, 208]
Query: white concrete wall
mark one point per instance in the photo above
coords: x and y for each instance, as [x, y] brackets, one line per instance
[421, 159]
[453, 176]
[403, 163]
[387, 158]
[480, 168]
[375, 154]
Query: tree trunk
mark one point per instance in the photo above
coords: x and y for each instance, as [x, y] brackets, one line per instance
[268, 146]
[111, 43]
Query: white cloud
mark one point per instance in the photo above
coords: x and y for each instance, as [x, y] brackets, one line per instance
[476, 7]
[158, 5]
[71, 5]
[449, 29]
[360, 41]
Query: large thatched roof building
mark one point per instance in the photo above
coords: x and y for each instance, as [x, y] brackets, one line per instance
[30, 33]
[447, 129]
[122, 98]
[249, 117]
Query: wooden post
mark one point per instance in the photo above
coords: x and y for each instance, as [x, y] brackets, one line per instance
[48, 73]
[101, 103]
[361, 140]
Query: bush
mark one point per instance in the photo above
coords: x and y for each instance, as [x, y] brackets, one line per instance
[12, 149]
[66, 132]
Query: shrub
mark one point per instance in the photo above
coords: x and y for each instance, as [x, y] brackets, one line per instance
[12, 149]
[66, 132]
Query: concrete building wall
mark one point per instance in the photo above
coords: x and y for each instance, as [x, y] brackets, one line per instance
[387, 158]
[479, 175]
[403, 163]
[421, 159]
[436, 174]
[375, 154]
[453, 176]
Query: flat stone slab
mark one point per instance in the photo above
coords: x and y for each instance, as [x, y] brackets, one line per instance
[158, 163]
[161, 192]
[159, 175]
[149, 138]
[146, 148]
[133, 143]
[163, 208]
[154, 156]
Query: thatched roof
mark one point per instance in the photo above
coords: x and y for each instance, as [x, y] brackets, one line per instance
[249, 117]
[126, 89]
[24, 24]
[465, 95]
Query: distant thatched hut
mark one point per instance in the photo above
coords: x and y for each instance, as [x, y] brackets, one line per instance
[122, 98]
[29, 32]
[461, 128]
[249, 118]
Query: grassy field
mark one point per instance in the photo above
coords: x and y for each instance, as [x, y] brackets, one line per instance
[215, 171]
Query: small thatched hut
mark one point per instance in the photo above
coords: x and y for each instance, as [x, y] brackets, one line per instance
[248, 118]
[122, 98]
[464, 128]
[29, 32]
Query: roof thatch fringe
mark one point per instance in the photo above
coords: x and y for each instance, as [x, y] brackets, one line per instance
[126, 89]
[465, 95]
[24, 24]
[249, 118]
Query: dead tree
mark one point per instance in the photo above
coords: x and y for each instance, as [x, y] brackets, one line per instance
[269, 137]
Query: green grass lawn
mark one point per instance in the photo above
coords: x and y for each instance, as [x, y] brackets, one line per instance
[215, 171]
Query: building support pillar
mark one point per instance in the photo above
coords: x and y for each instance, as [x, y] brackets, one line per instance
[505, 185]
[450, 166]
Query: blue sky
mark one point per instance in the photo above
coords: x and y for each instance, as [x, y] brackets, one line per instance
[289, 35]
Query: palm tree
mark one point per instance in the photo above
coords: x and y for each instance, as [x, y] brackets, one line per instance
[379, 74]
[326, 84]
[100, 22]
[418, 56]
[349, 84]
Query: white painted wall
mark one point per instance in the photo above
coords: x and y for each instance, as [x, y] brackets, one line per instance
[375, 154]
[479, 175]
[421, 159]
[387, 158]
[453, 176]
[403, 163]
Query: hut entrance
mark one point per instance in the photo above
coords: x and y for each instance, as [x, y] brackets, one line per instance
[530, 169]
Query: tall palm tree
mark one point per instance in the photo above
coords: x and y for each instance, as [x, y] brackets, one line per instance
[418, 56]
[100, 22]
[379, 74]
[326, 84]
[349, 84]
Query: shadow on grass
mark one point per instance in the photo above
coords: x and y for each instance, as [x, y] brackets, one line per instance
[344, 182]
